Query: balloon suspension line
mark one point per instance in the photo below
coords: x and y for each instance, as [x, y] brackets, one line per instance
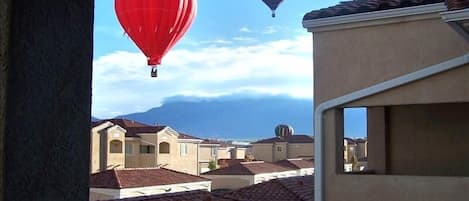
[154, 71]
[273, 13]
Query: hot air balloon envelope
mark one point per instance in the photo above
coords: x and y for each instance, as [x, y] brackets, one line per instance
[155, 25]
[273, 4]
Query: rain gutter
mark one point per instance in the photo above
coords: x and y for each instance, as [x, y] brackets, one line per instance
[319, 180]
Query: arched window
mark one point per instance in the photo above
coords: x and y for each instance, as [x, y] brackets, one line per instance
[164, 148]
[115, 146]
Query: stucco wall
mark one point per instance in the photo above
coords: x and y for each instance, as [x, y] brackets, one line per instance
[230, 181]
[95, 151]
[132, 160]
[205, 153]
[224, 152]
[356, 58]
[48, 106]
[115, 160]
[301, 150]
[429, 139]
[262, 152]
[280, 151]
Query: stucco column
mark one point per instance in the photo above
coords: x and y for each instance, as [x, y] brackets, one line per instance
[376, 129]
[45, 112]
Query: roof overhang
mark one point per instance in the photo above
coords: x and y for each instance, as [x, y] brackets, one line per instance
[458, 20]
[374, 18]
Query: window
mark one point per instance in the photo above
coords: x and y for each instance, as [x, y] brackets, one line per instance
[115, 146]
[214, 151]
[147, 149]
[164, 148]
[129, 148]
[279, 148]
[183, 148]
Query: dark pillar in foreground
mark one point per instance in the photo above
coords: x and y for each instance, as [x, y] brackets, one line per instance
[46, 82]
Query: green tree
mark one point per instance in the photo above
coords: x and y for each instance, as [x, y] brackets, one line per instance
[212, 165]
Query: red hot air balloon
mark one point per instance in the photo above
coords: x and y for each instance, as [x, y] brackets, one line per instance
[155, 25]
[273, 4]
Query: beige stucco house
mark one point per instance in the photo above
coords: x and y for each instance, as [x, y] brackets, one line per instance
[406, 62]
[247, 173]
[126, 183]
[121, 143]
[281, 148]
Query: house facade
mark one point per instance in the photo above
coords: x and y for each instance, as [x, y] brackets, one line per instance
[121, 143]
[407, 64]
[282, 148]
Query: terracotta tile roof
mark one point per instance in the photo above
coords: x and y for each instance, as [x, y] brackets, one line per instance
[132, 127]
[289, 139]
[180, 196]
[296, 163]
[131, 178]
[292, 188]
[211, 141]
[249, 168]
[186, 136]
[363, 6]
[457, 4]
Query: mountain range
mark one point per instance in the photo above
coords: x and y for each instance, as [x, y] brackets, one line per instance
[238, 117]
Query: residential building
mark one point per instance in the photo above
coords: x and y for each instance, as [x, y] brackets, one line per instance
[284, 189]
[125, 183]
[121, 143]
[406, 62]
[247, 173]
[281, 148]
[208, 153]
[302, 166]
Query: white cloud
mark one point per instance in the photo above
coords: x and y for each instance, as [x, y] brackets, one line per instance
[122, 82]
[244, 39]
[245, 29]
[270, 30]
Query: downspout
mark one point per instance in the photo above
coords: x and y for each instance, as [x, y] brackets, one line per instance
[319, 135]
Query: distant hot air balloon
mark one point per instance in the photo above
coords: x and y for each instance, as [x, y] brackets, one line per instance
[283, 130]
[273, 4]
[155, 25]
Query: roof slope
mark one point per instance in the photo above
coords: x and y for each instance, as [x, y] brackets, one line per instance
[132, 127]
[180, 196]
[292, 188]
[249, 168]
[295, 163]
[363, 6]
[289, 139]
[131, 178]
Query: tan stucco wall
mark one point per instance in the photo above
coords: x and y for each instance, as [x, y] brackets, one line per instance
[132, 160]
[350, 59]
[230, 181]
[99, 196]
[262, 152]
[301, 150]
[115, 160]
[429, 139]
[240, 153]
[360, 57]
[95, 152]
[224, 152]
[205, 153]
[280, 154]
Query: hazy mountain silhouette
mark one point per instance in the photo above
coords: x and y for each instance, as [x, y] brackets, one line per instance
[233, 117]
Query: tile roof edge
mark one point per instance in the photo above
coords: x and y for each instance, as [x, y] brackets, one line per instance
[372, 15]
[206, 179]
[119, 184]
